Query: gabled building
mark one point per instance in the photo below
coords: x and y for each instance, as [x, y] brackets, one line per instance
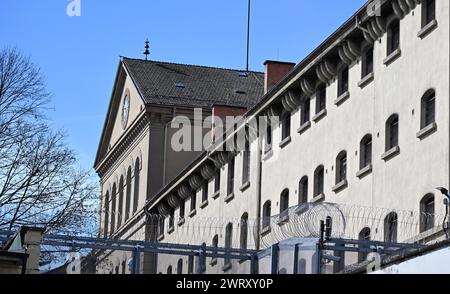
[363, 122]
[134, 158]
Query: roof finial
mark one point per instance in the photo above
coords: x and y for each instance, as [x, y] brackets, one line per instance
[146, 52]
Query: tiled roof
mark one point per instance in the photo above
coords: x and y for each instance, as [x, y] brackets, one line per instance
[163, 83]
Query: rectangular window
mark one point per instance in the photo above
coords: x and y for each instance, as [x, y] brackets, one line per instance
[269, 135]
[172, 219]
[217, 182]
[182, 205]
[205, 192]
[428, 11]
[286, 125]
[246, 163]
[305, 114]
[193, 201]
[343, 81]
[230, 183]
[367, 65]
[321, 97]
[393, 37]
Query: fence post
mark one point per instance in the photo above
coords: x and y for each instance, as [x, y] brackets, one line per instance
[254, 264]
[136, 261]
[274, 256]
[202, 259]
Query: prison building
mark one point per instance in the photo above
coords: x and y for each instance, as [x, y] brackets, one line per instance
[363, 123]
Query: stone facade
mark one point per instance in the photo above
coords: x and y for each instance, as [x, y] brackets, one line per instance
[360, 129]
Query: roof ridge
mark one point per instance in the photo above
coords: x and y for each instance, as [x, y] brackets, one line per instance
[196, 65]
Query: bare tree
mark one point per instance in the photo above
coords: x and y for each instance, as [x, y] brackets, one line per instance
[40, 184]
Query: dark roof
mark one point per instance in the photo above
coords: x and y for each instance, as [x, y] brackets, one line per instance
[164, 83]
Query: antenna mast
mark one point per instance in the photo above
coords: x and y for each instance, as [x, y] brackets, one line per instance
[248, 35]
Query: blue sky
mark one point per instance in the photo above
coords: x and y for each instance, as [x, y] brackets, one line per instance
[79, 55]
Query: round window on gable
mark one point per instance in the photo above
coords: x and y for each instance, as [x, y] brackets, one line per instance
[125, 108]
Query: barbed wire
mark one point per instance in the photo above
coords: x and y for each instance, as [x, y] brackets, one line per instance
[301, 221]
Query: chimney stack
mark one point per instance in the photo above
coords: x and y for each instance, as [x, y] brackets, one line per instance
[274, 72]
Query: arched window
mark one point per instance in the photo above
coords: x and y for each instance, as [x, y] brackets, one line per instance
[169, 270]
[428, 107]
[367, 61]
[319, 176]
[117, 270]
[244, 231]
[106, 221]
[364, 235]
[393, 36]
[392, 132]
[305, 111]
[365, 153]
[342, 79]
[230, 182]
[267, 214]
[128, 194]
[285, 125]
[427, 209]
[113, 208]
[341, 167]
[228, 241]
[303, 191]
[390, 227]
[137, 170]
[321, 98]
[428, 11]
[284, 202]
[120, 208]
[123, 268]
[180, 267]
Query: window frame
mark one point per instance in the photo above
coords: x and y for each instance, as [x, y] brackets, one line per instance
[430, 95]
[393, 40]
[302, 192]
[365, 72]
[365, 153]
[428, 18]
[341, 167]
[319, 182]
[321, 98]
[392, 139]
[305, 111]
[343, 79]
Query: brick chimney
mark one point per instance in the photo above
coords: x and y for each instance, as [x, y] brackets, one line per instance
[274, 72]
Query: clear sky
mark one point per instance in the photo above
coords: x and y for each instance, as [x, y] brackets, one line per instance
[79, 55]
